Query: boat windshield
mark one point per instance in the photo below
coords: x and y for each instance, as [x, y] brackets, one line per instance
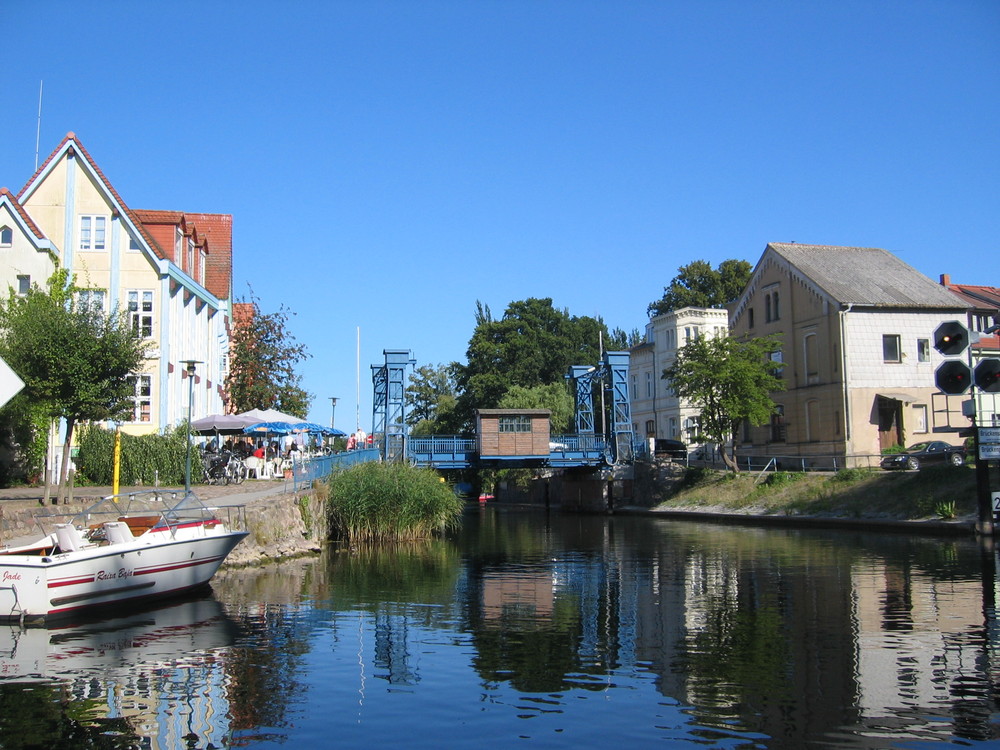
[164, 507]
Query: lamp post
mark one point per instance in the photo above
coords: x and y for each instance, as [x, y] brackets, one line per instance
[189, 366]
[333, 409]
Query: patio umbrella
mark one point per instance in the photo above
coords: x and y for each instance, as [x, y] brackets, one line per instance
[270, 415]
[270, 428]
[220, 424]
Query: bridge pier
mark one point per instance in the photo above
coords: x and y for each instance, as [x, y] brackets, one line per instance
[594, 491]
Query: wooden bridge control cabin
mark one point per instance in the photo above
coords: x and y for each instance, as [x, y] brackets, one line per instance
[513, 433]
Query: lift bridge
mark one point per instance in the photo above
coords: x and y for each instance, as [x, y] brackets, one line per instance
[586, 447]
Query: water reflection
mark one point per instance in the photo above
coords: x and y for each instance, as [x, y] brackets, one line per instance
[548, 630]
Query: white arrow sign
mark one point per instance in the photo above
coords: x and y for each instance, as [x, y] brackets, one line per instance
[10, 383]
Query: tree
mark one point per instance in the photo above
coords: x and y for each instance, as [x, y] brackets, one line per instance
[730, 380]
[262, 358]
[555, 397]
[699, 285]
[430, 399]
[77, 362]
[532, 344]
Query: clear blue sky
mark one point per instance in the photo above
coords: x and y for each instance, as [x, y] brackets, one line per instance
[387, 164]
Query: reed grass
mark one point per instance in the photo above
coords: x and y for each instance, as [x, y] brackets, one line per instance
[379, 502]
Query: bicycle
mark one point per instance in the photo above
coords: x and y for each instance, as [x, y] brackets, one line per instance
[236, 471]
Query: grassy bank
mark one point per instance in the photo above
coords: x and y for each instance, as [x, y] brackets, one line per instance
[934, 492]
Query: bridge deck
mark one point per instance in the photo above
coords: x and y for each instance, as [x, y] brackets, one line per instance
[457, 452]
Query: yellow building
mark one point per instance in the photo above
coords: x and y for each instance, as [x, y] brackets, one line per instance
[69, 214]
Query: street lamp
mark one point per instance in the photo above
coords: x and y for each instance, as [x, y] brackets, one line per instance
[189, 366]
[333, 409]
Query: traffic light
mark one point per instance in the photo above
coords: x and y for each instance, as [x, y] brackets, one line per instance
[987, 376]
[953, 377]
[951, 338]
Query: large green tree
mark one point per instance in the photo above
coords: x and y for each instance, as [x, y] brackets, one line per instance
[532, 344]
[77, 361]
[263, 354]
[699, 285]
[730, 380]
[430, 398]
[555, 397]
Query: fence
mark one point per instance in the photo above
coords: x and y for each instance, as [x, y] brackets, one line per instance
[320, 467]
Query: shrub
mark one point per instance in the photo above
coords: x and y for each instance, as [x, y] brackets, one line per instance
[145, 459]
[783, 478]
[852, 475]
[390, 502]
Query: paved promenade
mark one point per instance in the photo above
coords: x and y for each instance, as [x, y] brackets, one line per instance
[231, 494]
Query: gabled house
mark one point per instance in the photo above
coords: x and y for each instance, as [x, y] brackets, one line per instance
[26, 254]
[656, 410]
[857, 328]
[152, 264]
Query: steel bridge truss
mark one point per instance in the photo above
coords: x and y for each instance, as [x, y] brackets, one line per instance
[389, 404]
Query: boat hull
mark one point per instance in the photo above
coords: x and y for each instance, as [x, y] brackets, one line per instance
[160, 563]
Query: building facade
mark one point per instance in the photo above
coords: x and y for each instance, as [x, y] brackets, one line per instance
[657, 412]
[857, 327]
[153, 264]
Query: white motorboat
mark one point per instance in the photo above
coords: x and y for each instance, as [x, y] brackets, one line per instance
[124, 548]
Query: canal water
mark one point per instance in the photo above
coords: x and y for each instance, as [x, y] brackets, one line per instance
[543, 631]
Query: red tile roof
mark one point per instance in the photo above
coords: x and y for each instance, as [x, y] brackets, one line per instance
[23, 214]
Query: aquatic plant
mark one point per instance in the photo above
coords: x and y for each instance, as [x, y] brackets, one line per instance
[389, 502]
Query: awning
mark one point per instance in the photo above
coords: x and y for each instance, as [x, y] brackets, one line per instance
[906, 398]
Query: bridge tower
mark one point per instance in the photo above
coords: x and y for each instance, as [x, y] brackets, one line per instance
[582, 377]
[389, 404]
[612, 375]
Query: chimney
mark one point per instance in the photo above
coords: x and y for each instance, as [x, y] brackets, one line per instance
[945, 279]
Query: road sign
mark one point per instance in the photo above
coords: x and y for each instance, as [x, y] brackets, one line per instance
[10, 383]
[989, 435]
[989, 451]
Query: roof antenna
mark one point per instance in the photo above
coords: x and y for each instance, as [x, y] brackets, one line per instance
[38, 131]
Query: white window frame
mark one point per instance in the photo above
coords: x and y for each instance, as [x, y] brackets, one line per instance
[923, 350]
[142, 399]
[6, 236]
[140, 311]
[93, 233]
[891, 338]
[93, 297]
[919, 413]
[23, 284]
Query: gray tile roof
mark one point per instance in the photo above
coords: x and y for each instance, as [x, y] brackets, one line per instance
[866, 276]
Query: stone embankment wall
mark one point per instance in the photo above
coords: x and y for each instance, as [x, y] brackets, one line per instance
[282, 526]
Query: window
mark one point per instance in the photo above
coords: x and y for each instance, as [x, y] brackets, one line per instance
[923, 350]
[649, 385]
[190, 258]
[890, 348]
[93, 230]
[140, 310]
[6, 236]
[133, 243]
[515, 424]
[691, 428]
[93, 298]
[672, 428]
[919, 418]
[142, 400]
[812, 420]
[650, 428]
[776, 308]
[632, 389]
[23, 285]
[767, 308]
[811, 358]
[777, 358]
[749, 317]
[778, 428]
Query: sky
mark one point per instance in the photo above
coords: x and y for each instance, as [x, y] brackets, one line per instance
[390, 163]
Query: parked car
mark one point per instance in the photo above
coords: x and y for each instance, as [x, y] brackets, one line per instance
[920, 454]
[671, 448]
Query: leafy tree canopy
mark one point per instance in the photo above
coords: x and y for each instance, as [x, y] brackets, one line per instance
[699, 285]
[262, 358]
[430, 399]
[532, 344]
[555, 397]
[76, 361]
[730, 381]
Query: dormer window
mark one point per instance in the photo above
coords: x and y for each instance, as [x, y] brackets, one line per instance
[6, 236]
